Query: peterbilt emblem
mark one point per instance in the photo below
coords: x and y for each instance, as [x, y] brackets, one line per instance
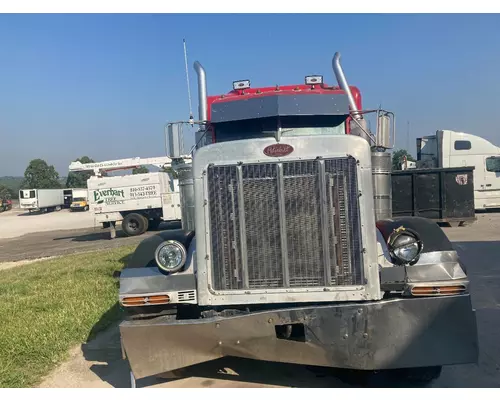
[278, 150]
[461, 179]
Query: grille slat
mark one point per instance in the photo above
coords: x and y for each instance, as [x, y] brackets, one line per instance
[290, 224]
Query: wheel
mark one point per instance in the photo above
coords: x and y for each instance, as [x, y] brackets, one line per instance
[422, 374]
[134, 224]
[154, 224]
[86, 208]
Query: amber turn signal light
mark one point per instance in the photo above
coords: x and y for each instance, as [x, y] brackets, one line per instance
[437, 290]
[145, 300]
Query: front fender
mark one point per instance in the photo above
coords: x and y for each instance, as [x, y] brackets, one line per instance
[438, 262]
[144, 254]
[432, 235]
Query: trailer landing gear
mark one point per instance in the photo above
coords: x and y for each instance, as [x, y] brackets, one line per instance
[112, 230]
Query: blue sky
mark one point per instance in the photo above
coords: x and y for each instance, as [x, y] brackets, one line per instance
[105, 85]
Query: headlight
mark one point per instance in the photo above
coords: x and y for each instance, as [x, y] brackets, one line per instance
[170, 256]
[405, 246]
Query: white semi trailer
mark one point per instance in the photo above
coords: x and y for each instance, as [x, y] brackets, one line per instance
[448, 149]
[140, 202]
[43, 200]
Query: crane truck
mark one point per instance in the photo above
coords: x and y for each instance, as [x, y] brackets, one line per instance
[288, 251]
[140, 202]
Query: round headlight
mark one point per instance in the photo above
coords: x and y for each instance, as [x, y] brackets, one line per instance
[170, 256]
[405, 246]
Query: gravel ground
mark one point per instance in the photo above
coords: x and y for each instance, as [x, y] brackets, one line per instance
[17, 222]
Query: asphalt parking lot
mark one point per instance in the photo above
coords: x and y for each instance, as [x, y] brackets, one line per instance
[26, 236]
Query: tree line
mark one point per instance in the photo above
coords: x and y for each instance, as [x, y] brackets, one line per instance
[40, 175]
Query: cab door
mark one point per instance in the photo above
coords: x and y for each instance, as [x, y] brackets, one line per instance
[490, 185]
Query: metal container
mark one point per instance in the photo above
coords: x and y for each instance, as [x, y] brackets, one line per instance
[440, 194]
[186, 191]
[382, 190]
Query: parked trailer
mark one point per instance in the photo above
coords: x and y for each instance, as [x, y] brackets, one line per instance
[440, 194]
[140, 202]
[43, 200]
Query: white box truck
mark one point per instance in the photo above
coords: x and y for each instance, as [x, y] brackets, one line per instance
[140, 202]
[79, 200]
[448, 149]
[43, 200]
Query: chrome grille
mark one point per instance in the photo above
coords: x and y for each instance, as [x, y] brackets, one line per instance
[288, 224]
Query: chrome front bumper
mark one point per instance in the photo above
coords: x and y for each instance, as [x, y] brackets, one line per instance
[386, 334]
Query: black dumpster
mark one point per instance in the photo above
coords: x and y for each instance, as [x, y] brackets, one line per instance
[440, 194]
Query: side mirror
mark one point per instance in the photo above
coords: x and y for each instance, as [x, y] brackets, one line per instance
[175, 140]
[385, 129]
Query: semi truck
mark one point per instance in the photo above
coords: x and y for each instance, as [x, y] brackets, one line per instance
[44, 200]
[451, 149]
[140, 202]
[288, 251]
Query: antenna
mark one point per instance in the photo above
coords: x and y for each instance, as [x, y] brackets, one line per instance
[191, 119]
[408, 136]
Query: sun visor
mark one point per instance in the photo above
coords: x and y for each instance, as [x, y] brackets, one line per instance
[279, 105]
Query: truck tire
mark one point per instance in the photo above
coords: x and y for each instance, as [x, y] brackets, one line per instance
[134, 224]
[86, 208]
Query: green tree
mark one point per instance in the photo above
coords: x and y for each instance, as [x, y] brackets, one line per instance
[140, 170]
[6, 193]
[13, 183]
[397, 158]
[40, 175]
[171, 171]
[79, 179]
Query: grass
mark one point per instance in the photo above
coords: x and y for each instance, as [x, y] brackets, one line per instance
[50, 306]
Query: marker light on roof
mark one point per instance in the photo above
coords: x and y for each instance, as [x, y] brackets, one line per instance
[314, 80]
[238, 85]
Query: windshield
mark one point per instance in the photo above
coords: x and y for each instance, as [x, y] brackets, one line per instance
[79, 199]
[303, 125]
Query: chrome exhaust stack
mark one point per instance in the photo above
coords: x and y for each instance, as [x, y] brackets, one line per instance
[184, 170]
[342, 81]
[381, 160]
[202, 94]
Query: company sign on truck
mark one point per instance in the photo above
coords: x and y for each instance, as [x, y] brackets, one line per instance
[109, 196]
[119, 196]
